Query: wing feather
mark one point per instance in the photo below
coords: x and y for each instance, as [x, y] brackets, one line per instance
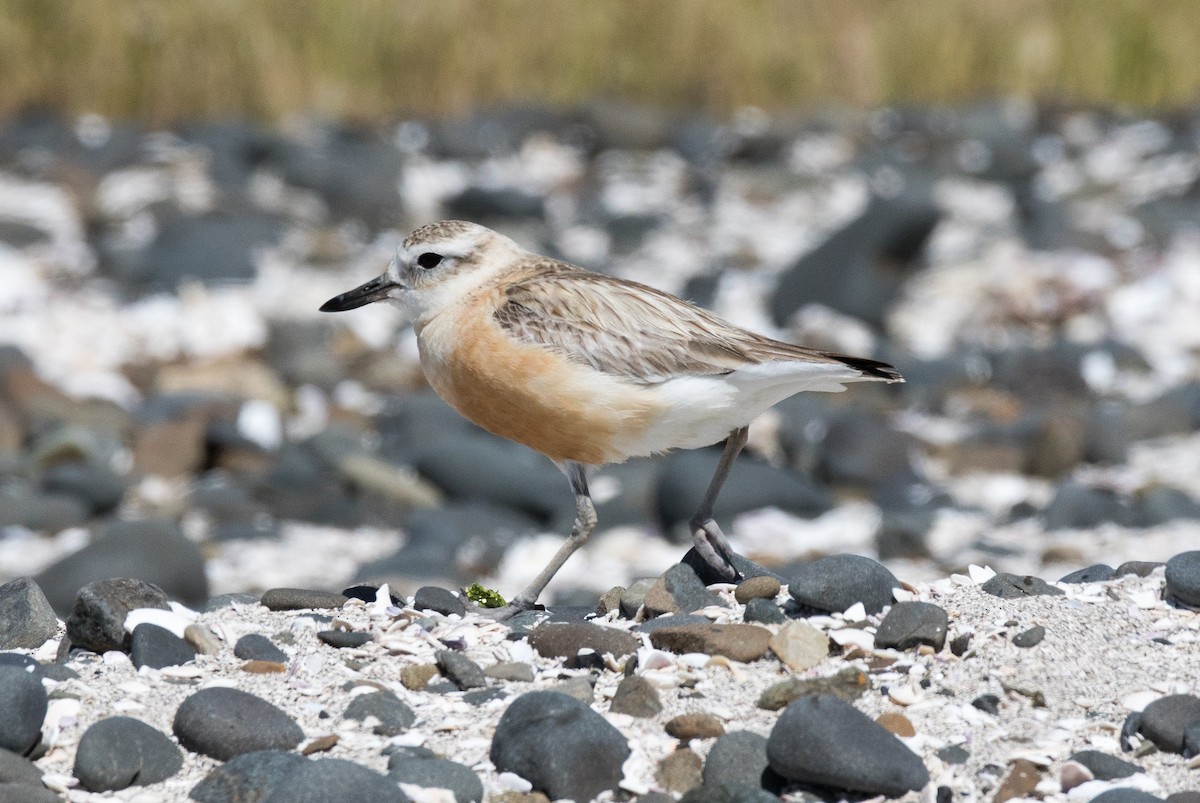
[641, 334]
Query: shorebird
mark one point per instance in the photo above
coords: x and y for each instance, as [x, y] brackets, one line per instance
[589, 369]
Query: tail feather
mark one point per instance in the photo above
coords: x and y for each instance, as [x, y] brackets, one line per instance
[870, 368]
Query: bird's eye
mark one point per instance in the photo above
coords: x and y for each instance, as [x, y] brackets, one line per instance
[429, 260]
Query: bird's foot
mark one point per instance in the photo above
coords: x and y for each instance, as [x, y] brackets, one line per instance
[712, 546]
[504, 612]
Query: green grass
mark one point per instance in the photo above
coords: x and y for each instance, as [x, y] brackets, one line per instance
[162, 60]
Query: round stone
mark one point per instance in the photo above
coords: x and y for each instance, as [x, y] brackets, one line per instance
[119, 752]
[836, 582]
[23, 705]
[224, 723]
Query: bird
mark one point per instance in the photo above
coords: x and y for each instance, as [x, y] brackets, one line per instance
[589, 369]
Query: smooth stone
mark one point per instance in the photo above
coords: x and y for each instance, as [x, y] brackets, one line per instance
[1020, 781]
[201, 639]
[636, 697]
[566, 639]
[223, 723]
[580, 688]
[1125, 795]
[862, 450]
[954, 754]
[634, 596]
[481, 696]
[1159, 505]
[763, 611]
[559, 745]
[156, 647]
[437, 773]
[97, 622]
[257, 647]
[1183, 578]
[676, 620]
[739, 642]
[734, 793]
[394, 715]
[911, 624]
[513, 671]
[1138, 568]
[1105, 767]
[460, 670]
[824, 740]
[987, 703]
[1167, 719]
[738, 758]
[248, 777]
[1013, 586]
[679, 590]
[1096, 573]
[848, 684]
[24, 793]
[1030, 638]
[96, 486]
[344, 639]
[403, 752]
[296, 599]
[679, 771]
[335, 780]
[439, 600]
[836, 582]
[154, 551]
[16, 769]
[23, 705]
[896, 723]
[26, 618]
[41, 512]
[762, 587]
[1077, 506]
[800, 646]
[686, 727]
[119, 752]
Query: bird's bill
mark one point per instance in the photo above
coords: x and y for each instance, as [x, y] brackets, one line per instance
[375, 290]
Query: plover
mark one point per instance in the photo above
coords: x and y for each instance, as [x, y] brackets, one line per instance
[589, 369]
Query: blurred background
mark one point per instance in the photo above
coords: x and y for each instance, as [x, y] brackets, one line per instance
[1001, 197]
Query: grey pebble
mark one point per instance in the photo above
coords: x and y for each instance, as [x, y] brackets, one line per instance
[248, 777]
[460, 670]
[394, 715]
[97, 622]
[513, 671]
[156, 647]
[1165, 720]
[737, 758]
[223, 723]
[636, 697]
[295, 599]
[257, 647]
[439, 600]
[679, 590]
[23, 705]
[343, 639]
[1012, 586]
[335, 780]
[911, 624]
[1030, 638]
[1183, 578]
[17, 769]
[26, 618]
[560, 745]
[1105, 767]
[566, 639]
[764, 611]
[438, 773]
[1097, 573]
[119, 752]
[834, 583]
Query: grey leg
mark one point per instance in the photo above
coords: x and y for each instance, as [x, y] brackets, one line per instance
[710, 541]
[585, 522]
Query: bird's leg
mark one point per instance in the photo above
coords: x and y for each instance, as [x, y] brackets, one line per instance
[585, 522]
[710, 541]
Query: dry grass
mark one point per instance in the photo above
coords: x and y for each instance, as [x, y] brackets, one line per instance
[159, 60]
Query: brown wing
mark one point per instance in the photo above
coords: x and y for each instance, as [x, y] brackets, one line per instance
[636, 332]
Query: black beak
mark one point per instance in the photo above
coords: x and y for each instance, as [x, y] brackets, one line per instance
[372, 291]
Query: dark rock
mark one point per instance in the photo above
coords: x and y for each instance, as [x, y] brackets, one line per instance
[862, 450]
[1077, 506]
[1103, 766]
[1159, 505]
[1125, 795]
[1092, 574]
[460, 670]
[296, 599]
[119, 752]
[848, 684]
[1012, 586]
[440, 600]
[910, 624]
[679, 590]
[954, 754]
[156, 647]
[98, 487]
[1139, 568]
[1030, 638]
[394, 715]
[836, 582]
[23, 705]
[22, 793]
[678, 771]
[257, 647]
[565, 640]
[97, 622]
[739, 642]
[751, 485]
[26, 618]
[344, 639]
[824, 740]
[1183, 578]
[633, 596]
[16, 769]
[860, 268]
[763, 611]
[223, 723]
[560, 745]
[677, 620]
[335, 780]
[155, 551]
[246, 778]
[738, 758]
[481, 696]
[987, 703]
[485, 203]
[1165, 720]
[636, 697]
[47, 513]
[745, 567]
[437, 773]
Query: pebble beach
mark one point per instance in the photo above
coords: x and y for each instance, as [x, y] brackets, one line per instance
[977, 585]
